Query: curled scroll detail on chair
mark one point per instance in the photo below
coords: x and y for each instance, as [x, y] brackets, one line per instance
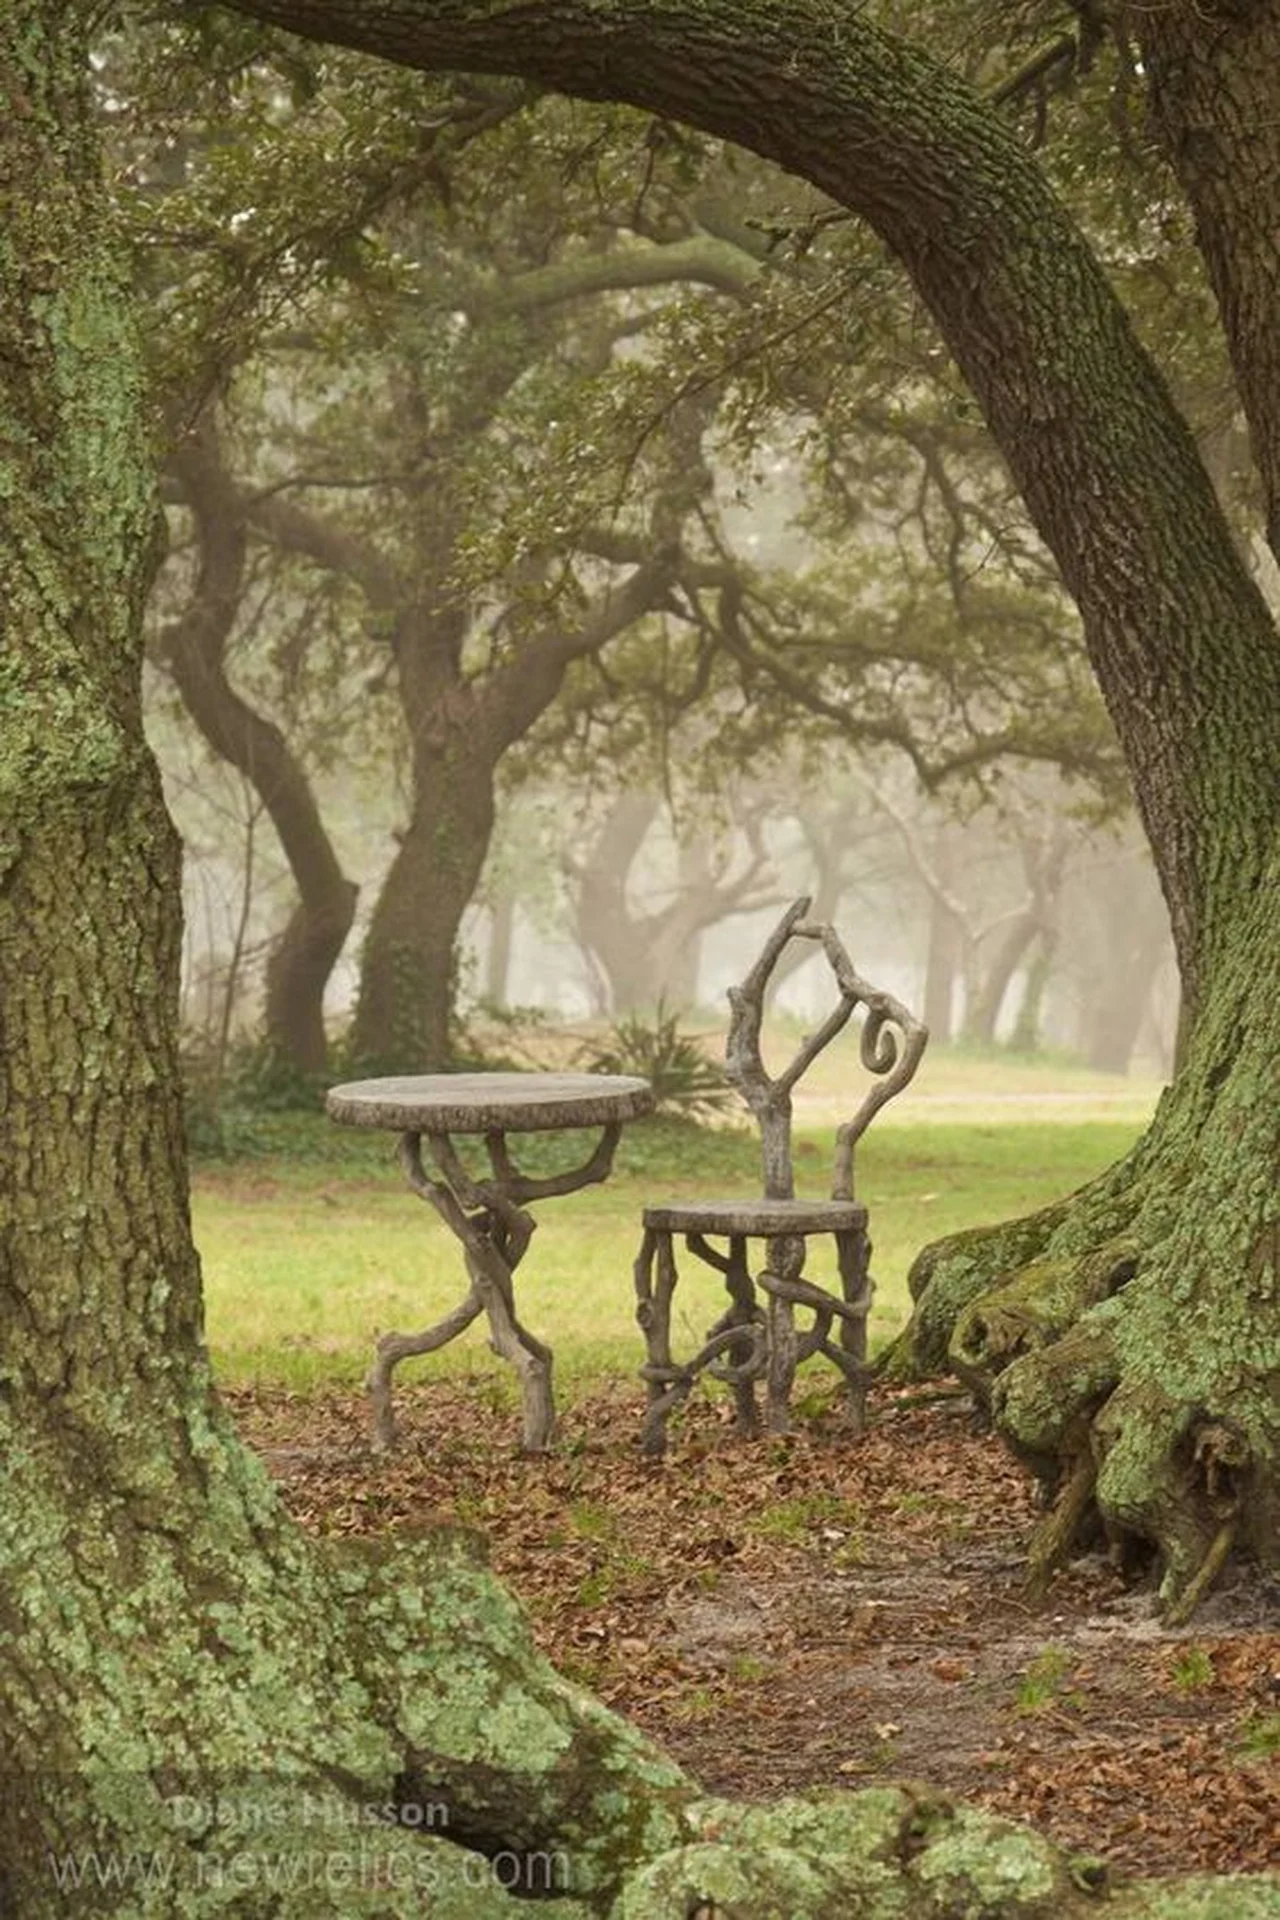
[892, 1044]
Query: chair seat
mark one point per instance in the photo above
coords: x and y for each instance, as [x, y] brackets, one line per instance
[756, 1219]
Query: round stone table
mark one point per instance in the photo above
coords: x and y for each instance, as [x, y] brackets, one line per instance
[487, 1216]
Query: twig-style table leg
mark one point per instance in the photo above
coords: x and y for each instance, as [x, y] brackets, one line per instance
[488, 1216]
[494, 1230]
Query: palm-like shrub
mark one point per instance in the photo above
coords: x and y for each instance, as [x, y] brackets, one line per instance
[653, 1048]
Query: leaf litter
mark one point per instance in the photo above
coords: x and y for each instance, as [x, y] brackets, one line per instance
[782, 1613]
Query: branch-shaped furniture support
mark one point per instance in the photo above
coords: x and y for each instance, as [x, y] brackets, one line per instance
[758, 1339]
[488, 1217]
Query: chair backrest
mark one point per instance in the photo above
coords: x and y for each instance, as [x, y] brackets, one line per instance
[893, 1041]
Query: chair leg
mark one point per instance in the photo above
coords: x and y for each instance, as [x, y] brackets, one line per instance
[785, 1264]
[668, 1384]
[853, 1257]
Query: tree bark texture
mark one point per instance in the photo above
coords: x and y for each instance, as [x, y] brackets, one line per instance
[167, 1631]
[1135, 1324]
[1212, 74]
[194, 648]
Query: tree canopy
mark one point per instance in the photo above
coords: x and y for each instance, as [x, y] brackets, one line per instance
[450, 405]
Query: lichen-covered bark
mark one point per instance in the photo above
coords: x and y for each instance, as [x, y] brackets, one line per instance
[168, 1635]
[1132, 1334]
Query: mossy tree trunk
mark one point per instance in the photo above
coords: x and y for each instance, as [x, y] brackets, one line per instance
[460, 729]
[169, 1635]
[1182, 644]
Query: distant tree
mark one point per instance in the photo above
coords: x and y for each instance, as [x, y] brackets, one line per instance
[1128, 941]
[388, 462]
[973, 940]
[642, 943]
[192, 647]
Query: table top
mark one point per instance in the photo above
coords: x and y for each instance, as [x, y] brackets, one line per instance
[490, 1102]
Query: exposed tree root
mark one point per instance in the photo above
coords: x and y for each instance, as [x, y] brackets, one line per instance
[950, 1273]
[1056, 1534]
[1210, 1567]
[1127, 1341]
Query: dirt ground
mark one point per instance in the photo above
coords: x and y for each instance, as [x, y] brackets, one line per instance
[809, 1611]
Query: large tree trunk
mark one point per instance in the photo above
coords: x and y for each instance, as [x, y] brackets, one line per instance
[1183, 647]
[459, 727]
[169, 1636]
[404, 1014]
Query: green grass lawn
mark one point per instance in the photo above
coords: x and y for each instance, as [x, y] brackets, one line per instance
[315, 1245]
